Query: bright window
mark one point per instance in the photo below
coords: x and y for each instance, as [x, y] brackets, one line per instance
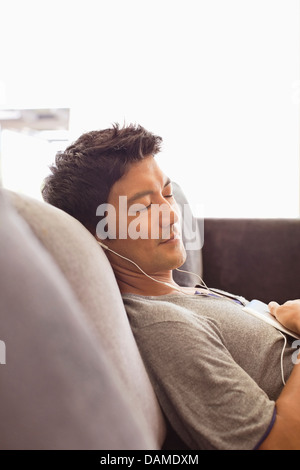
[218, 80]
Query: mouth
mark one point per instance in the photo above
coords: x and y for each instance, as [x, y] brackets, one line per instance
[174, 238]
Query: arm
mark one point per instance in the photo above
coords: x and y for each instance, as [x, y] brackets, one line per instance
[286, 430]
[285, 434]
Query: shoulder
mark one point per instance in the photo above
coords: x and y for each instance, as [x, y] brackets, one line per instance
[144, 311]
[163, 315]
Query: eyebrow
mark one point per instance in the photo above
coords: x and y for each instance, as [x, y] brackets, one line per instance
[141, 194]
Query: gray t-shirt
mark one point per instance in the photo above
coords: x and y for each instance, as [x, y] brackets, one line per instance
[216, 370]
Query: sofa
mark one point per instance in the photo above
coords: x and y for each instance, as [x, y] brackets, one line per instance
[73, 377]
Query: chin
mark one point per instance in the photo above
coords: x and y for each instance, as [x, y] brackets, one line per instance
[167, 258]
[180, 263]
[178, 259]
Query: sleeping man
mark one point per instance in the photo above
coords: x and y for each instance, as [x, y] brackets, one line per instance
[217, 371]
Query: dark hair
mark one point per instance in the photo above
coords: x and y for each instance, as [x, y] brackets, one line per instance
[84, 173]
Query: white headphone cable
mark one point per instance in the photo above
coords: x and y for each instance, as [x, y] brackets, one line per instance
[135, 264]
[220, 294]
[180, 290]
[281, 357]
[194, 274]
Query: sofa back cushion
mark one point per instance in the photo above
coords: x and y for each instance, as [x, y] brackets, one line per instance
[89, 273]
[59, 390]
[193, 238]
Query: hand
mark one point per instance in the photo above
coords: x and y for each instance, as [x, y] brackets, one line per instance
[288, 314]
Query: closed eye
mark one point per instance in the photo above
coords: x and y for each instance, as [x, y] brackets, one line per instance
[149, 206]
[142, 208]
[167, 196]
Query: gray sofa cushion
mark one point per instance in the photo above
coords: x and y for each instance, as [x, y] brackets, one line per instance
[190, 226]
[59, 390]
[86, 268]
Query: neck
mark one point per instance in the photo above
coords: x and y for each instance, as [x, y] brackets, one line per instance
[135, 282]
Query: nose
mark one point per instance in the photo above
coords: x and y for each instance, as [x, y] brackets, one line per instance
[168, 215]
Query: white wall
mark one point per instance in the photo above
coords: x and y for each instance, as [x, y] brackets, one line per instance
[25, 162]
[218, 80]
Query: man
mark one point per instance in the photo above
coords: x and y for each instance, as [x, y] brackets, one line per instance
[218, 372]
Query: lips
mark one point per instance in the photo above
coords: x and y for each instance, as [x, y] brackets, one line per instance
[174, 236]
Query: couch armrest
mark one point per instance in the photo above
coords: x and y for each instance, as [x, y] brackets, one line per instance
[256, 258]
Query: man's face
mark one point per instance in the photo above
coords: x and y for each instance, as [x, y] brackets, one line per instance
[146, 188]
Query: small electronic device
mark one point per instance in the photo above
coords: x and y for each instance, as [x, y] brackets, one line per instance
[261, 310]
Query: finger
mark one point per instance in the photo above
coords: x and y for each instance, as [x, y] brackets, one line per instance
[273, 306]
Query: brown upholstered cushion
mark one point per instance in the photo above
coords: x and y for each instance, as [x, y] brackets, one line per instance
[256, 258]
[91, 278]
